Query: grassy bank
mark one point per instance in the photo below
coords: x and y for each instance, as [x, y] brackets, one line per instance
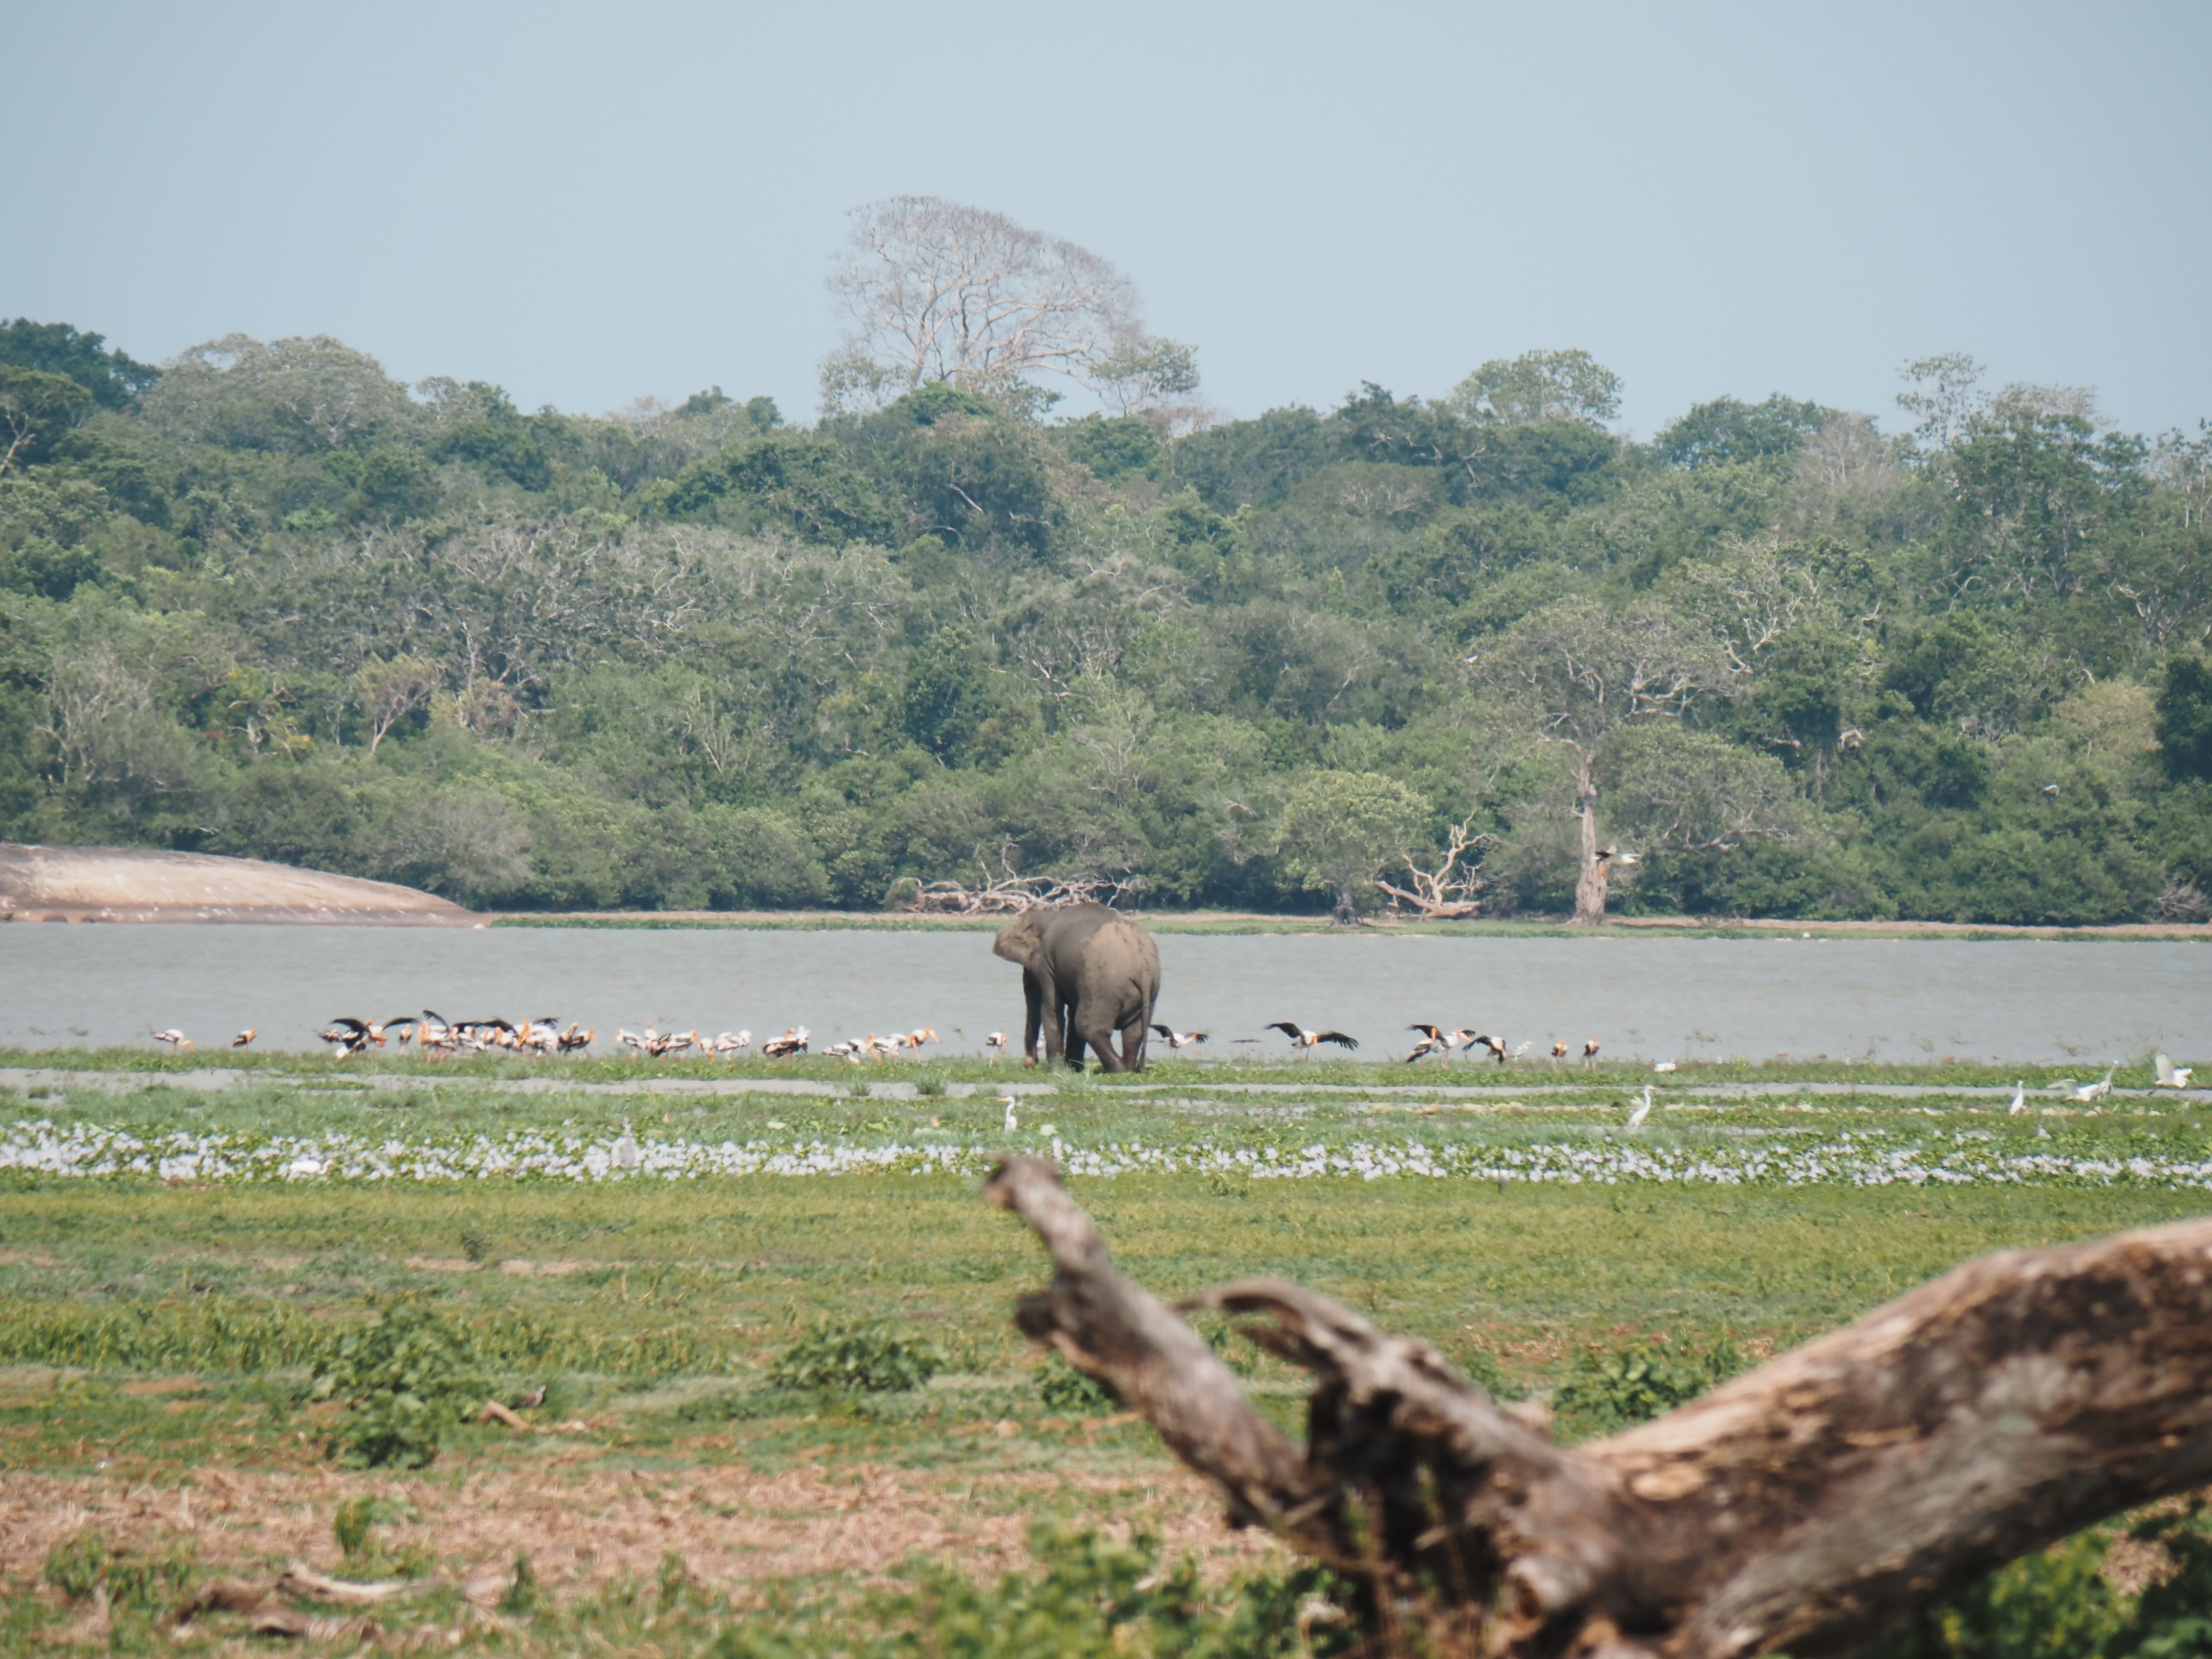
[279, 1068]
[1226, 922]
[158, 1335]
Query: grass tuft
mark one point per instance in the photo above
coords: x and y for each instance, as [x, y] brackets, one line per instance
[866, 1358]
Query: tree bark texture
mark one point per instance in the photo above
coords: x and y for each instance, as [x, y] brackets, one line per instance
[1807, 1506]
[1594, 873]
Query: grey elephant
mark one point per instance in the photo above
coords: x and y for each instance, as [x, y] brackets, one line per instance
[1094, 972]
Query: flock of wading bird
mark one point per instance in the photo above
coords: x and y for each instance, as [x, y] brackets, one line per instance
[439, 1038]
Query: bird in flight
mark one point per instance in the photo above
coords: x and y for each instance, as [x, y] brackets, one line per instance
[1306, 1042]
[2094, 1091]
[1176, 1039]
[1435, 1040]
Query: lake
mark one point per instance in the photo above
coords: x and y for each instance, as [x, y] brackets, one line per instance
[1890, 999]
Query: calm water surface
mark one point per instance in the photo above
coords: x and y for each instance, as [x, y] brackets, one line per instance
[1657, 998]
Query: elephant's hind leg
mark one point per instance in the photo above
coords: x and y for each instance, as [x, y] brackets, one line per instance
[1101, 1037]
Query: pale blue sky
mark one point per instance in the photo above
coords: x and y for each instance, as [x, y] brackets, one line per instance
[587, 203]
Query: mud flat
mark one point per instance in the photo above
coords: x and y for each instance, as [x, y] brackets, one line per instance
[132, 884]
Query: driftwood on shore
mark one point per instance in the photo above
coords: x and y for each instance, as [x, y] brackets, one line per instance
[1806, 1506]
[1006, 894]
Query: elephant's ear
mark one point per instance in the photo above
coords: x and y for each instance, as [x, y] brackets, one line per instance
[1018, 941]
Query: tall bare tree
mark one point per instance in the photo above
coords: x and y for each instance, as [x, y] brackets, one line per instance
[937, 290]
[1576, 671]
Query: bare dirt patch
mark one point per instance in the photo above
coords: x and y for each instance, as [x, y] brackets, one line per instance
[153, 1388]
[583, 1524]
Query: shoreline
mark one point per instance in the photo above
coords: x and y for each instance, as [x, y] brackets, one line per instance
[1257, 922]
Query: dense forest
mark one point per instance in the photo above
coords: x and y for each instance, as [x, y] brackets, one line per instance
[266, 600]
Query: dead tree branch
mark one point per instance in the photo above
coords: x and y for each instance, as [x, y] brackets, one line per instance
[1006, 894]
[1447, 893]
[1807, 1506]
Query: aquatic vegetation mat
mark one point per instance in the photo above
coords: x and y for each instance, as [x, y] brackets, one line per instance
[1876, 1157]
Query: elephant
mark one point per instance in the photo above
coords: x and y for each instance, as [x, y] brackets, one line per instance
[1095, 972]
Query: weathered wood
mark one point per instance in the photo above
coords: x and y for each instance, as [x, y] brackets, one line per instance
[1006, 895]
[1805, 1506]
[1449, 892]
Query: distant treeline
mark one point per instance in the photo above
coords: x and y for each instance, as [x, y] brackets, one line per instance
[268, 601]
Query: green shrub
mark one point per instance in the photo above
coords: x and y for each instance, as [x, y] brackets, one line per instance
[871, 1359]
[2058, 1603]
[522, 1595]
[207, 1334]
[1064, 1389]
[82, 1562]
[1092, 1597]
[408, 1378]
[350, 1526]
[1481, 1368]
[248, 1335]
[1610, 1391]
[140, 1583]
[674, 1578]
[75, 1563]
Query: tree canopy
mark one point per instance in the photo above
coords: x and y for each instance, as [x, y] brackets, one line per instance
[269, 600]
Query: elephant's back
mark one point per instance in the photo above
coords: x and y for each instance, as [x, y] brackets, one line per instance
[1134, 944]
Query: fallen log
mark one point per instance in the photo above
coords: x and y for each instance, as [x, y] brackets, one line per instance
[1808, 1506]
[267, 1615]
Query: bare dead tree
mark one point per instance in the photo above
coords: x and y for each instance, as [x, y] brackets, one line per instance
[1449, 892]
[387, 691]
[1576, 671]
[1810, 1505]
[936, 290]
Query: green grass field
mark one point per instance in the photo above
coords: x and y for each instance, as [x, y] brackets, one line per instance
[158, 1331]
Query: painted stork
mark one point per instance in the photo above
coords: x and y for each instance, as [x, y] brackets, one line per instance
[1434, 1041]
[1306, 1042]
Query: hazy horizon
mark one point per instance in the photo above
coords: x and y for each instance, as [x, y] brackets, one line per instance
[1723, 200]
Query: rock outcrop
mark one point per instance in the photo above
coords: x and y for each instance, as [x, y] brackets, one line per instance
[137, 884]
